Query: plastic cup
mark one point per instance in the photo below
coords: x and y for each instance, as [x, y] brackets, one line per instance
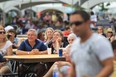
[49, 50]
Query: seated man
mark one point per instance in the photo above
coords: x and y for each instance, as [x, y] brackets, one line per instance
[32, 46]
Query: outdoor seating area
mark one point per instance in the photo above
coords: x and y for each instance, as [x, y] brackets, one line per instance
[57, 38]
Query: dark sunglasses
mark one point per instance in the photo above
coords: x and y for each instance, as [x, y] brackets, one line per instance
[2, 32]
[77, 23]
[109, 32]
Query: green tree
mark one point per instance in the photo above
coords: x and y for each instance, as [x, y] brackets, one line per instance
[104, 7]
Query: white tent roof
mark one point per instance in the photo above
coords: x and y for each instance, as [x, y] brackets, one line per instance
[7, 5]
[91, 3]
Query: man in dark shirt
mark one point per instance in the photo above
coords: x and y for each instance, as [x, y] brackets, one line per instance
[32, 46]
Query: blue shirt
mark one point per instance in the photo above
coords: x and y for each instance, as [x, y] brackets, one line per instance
[25, 46]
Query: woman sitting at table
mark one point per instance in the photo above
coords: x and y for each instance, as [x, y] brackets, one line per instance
[56, 42]
[11, 35]
[40, 35]
[5, 49]
[66, 63]
[70, 39]
[48, 35]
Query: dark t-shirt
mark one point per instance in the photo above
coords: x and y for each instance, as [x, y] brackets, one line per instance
[25, 46]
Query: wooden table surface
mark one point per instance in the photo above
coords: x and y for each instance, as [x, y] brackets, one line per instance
[36, 58]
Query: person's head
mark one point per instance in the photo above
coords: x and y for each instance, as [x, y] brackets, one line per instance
[80, 22]
[49, 33]
[67, 28]
[2, 33]
[32, 35]
[100, 29]
[47, 14]
[109, 32]
[7, 28]
[57, 35]
[11, 33]
[71, 38]
[41, 35]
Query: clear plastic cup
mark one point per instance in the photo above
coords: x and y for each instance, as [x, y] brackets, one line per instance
[49, 50]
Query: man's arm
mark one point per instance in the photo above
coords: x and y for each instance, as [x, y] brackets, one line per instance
[103, 51]
[73, 70]
[33, 52]
[21, 49]
[43, 52]
[37, 52]
[20, 52]
[107, 68]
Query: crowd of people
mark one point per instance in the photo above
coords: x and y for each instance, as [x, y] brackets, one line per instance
[88, 53]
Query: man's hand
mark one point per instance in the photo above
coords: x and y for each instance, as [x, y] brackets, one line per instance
[35, 52]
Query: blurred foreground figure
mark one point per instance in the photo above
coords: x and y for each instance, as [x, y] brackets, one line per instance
[91, 54]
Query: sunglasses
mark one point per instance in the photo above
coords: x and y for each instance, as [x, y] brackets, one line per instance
[109, 32]
[77, 23]
[2, 32]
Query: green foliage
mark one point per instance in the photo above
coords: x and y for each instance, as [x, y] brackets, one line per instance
[104, 7]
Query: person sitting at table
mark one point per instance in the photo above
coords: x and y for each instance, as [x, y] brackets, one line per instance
[11, 35]
[32, 46]
[48, 35]
[40, 35]
[70, 39]
[57, 41]
[5, 49]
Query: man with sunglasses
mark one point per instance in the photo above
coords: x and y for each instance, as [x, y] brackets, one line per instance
[91, 54]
